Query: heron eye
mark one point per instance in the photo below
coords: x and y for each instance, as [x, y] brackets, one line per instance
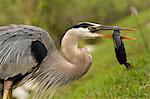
[92, 29]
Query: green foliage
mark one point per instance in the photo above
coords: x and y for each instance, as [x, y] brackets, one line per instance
[106, 79]
[57, 15]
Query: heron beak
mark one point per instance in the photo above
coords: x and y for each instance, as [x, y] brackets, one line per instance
[94, 29]
[110, 36]
[105, 27]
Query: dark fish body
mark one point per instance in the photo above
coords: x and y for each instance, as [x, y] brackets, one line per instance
[119, 49]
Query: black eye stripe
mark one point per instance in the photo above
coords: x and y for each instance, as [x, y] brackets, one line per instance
[83, 25]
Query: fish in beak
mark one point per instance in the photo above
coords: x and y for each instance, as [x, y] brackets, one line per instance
[117, 39]
[95, 29]
[120, 49]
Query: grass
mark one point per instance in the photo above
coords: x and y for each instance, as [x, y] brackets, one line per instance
[108, 79]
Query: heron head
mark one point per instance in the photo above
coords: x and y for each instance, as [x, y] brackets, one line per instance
[88, 30]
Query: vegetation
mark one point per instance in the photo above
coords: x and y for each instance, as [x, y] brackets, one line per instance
[106, 78]
[57, 15]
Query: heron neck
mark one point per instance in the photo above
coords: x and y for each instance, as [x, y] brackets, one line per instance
[69, 47]
[78, 57]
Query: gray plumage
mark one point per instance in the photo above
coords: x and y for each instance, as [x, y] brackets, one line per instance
[15, 51]
[16, 58]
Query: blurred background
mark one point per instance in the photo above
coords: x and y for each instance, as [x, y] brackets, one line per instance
[106, 78]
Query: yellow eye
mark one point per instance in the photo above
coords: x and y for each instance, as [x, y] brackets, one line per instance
[92, 29]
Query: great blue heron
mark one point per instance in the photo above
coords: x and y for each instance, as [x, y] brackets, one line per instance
[28, 56]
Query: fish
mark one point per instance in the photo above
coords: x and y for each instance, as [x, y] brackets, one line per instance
[120, 49]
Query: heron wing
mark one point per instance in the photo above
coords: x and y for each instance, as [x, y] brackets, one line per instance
[20, 50]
